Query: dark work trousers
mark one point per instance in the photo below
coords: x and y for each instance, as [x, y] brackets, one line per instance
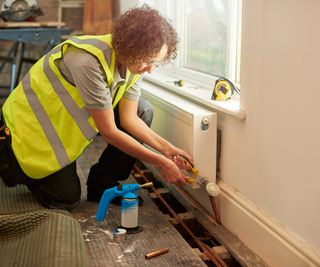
[114, 165]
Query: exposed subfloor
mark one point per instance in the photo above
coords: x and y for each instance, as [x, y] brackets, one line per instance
[157, 232]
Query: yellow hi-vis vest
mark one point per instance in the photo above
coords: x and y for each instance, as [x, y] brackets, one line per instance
[49, 124]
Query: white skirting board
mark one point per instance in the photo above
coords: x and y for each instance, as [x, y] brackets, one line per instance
[275, 244]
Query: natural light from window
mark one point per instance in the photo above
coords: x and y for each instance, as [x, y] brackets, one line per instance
[209, 31]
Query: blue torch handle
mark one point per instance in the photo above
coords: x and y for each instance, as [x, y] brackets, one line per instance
[110, 194]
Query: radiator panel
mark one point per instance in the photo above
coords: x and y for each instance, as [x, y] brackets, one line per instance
[180, 122]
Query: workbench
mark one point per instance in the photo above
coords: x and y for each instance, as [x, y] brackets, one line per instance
[47, 34]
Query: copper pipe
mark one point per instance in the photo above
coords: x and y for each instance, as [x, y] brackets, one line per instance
[156, 253]
[215, 255]
[215, 210]
[208, 252]
[215, 218]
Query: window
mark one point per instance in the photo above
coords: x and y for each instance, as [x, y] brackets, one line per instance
[209, 31]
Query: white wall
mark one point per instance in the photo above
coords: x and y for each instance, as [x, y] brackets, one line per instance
[272, 159]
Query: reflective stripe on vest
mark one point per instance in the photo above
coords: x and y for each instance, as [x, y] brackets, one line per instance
[98, 44]
[80, 116]
[102, 51]
[45, 122]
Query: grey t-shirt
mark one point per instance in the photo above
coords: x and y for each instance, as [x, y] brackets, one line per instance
[84, 71]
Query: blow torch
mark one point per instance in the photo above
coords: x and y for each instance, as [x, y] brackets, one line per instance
[129, 204]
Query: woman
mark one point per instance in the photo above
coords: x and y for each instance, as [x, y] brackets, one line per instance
[84, 86]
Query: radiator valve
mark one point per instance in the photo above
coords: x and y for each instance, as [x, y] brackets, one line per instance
[205, 124]
[196, 180]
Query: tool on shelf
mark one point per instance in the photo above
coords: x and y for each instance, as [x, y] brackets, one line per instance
[223, 89]
[179, 83]
[20, 10]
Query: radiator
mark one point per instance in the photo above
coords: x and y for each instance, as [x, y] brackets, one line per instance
[187, 126]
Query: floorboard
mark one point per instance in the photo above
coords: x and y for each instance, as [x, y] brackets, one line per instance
[156, 232]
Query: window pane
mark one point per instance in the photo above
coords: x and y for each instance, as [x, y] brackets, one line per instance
[207, 36]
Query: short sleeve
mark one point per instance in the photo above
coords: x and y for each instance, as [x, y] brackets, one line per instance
[87, 75]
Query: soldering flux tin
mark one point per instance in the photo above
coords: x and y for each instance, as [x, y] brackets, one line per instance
[119, 234]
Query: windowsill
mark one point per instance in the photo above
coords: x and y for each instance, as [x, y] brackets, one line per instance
[196, 94]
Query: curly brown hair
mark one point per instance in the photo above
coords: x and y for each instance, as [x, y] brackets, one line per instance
[139, 35]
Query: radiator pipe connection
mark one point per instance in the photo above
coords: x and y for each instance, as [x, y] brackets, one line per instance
[211, 254]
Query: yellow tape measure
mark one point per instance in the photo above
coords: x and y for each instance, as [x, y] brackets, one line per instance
[223, 89]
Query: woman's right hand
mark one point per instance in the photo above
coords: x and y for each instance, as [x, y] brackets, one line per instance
[171, 173]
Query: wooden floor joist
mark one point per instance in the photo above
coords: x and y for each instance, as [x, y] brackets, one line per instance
[211, 254]
[234, 246]
[157, 232]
